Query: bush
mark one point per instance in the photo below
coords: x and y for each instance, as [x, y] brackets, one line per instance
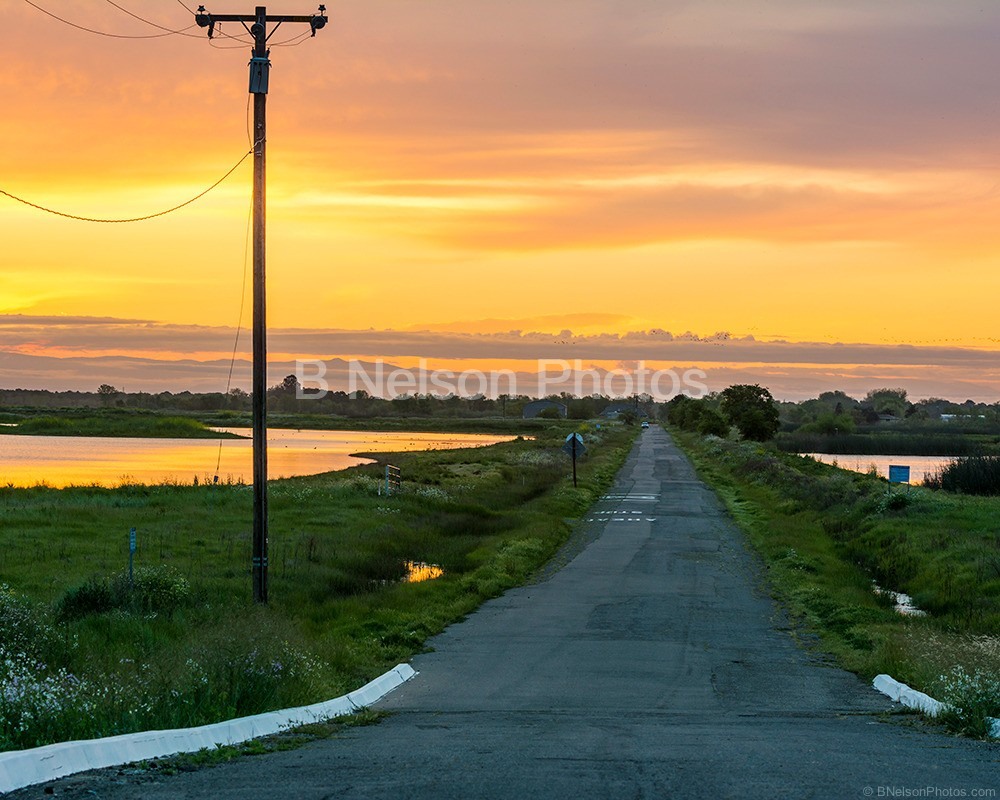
[152, 590]
[972, 699]
[93, 597]
[696, 415]
[712, 423]
[23, 627]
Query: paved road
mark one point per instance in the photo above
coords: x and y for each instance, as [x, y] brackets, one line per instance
[651, 666]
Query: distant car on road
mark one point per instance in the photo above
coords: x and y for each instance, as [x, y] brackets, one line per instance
[644, 424]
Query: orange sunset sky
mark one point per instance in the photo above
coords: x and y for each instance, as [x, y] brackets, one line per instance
[495, 182]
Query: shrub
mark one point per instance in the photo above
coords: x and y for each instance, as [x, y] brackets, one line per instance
[712, 423]
[152, 590]
[93, 597]
[972, 700]
[23, 627]
[696, 415]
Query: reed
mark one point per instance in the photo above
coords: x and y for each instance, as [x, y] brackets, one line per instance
[978, 474]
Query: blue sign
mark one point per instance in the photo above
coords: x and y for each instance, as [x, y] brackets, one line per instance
[131, 540]
[899, 474]
[573, 446]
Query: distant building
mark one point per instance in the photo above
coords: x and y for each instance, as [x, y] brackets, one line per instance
[536, 407]
[888, 418]
[616, 409]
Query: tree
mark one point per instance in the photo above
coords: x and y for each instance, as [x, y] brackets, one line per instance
[752, 410]
[712, 423]
[888, 401]
[107, 393]
[830, 425]
[289, 386]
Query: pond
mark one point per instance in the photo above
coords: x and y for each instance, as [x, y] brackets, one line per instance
[83, 460]
[919, 465]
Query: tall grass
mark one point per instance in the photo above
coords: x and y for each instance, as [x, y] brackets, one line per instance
[124, 425]
[873, 444]
[973, 475]
[83, 653]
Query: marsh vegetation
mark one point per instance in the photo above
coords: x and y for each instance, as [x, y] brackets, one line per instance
[86, 653]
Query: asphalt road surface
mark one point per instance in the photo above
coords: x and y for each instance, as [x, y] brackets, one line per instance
[653, 664]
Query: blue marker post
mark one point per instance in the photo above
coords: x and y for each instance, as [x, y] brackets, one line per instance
[131, 553]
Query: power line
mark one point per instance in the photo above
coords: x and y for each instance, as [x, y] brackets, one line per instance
[239, 323]
[218, 29]
[182, 32]
[215, 46]
[101, 33]
[294, 41]
[133, 219]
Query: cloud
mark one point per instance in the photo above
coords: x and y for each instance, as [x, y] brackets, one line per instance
[709, 151]
[80, 352]
[550, 323]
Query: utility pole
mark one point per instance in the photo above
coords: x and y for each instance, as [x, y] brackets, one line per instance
[260, 66]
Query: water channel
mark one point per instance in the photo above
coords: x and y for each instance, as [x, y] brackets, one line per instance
[60, 461]
[919, 465]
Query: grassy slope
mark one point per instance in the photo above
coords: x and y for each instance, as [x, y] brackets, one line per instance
[338, 614]
[825, 534]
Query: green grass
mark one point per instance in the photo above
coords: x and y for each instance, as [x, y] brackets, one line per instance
[339, 614]
[511, 425]
[114, 425]
[888, 443]
[825, 534]
[153, 424]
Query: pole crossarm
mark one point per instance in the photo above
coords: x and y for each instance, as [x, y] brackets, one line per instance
[206, 20]
[307, 18]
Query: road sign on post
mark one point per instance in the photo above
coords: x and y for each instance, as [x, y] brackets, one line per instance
[574, 446]
[899, 474]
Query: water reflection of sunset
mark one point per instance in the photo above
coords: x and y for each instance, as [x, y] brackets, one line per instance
[417, 572]
[60, 461]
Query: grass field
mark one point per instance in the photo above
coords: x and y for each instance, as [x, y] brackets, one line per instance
[513, 426]
[83, 653]
[156, 424]
[826, 534]
[889, 443]
[148, 425]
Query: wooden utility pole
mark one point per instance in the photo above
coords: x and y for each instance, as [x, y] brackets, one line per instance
[260, 66]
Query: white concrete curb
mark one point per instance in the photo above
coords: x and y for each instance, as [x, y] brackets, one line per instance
[911, 698]
[26, 767]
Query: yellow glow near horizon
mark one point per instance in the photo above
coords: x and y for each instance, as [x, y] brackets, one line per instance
[425, 173]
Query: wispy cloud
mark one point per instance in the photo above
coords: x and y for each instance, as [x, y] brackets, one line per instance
[58, 352]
